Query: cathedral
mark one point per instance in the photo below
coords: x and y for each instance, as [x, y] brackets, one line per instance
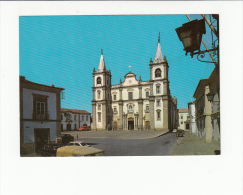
[134, 104]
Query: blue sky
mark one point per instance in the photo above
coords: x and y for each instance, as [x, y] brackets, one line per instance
[64, 50]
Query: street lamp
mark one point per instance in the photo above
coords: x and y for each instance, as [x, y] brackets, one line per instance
[190, 34]
[210, 97]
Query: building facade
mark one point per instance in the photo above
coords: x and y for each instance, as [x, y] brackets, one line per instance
[208, 109]
[40, 115]
[73, 119]
[134, 104]
[183, 118]
[192, 116]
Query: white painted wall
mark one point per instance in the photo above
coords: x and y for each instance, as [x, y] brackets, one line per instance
[77, 122]
[184, 114]
[28, 103]
[29, 127]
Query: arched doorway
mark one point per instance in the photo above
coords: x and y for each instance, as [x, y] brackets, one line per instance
[130, 123]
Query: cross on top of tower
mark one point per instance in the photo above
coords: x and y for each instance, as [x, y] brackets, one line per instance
[159, 38]
[129, 68]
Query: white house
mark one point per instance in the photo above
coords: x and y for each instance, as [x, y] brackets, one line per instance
[40, 115]
[134, 104]
[183, 116]
[73, 119]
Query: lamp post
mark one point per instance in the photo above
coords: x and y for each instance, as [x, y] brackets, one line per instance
[190, 34]
[210, 97]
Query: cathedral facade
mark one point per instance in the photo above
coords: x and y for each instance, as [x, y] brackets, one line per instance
[134, 104]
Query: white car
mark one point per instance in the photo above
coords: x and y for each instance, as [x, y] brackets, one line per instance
[78, 143]
[174, 130]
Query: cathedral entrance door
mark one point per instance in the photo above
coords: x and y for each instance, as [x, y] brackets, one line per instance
[147, 125]
[115, 125]
[130, 123]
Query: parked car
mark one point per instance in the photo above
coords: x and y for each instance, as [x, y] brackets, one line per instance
[180, 133]
[78, 143]
[66, 138]
[79, 151]
[174, 130]
[84, 128]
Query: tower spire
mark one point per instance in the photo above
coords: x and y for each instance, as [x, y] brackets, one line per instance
[158, 56]
[102, 63]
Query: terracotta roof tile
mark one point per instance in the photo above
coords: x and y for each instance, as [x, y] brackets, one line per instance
[74, 111]
[183, 110]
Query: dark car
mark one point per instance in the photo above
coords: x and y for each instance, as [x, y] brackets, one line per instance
[49, 149]
[66, 138]
[180, 133]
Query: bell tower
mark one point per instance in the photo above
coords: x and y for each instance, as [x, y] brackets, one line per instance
[159, 90]
[101, 103]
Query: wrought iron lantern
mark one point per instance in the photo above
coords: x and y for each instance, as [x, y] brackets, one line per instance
[190, 34]
[210, 97]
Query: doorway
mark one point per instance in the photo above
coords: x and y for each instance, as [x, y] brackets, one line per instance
[68, 127]
[42, 137]
[147, 125]
[131, 124]
[114, 125]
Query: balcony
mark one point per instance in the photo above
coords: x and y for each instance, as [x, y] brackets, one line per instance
[41, 117]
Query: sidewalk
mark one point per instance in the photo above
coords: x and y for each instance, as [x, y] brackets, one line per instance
[193, 145]
[124, 134]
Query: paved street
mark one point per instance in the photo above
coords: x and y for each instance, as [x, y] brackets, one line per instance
[133, 146]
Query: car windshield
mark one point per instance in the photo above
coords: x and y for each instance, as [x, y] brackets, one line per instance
[83, 144]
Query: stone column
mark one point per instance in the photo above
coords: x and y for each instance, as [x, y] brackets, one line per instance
[140, 91]
[151, 112]
[208, 121]
[104, 93]
[140, 111]
[165, 102]
[94, 127]
[120, 123]
[104, 115]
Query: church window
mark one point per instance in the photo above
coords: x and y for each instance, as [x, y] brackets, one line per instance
[99, 107]
[147, 108]
[158, 114]
[115, 110]
[157, 73]
[99, 117]
[114, 97]
[130, 108]
[130, 95]
[98, 94]
[158, 102]
[98, 80]
[147, 94]
[157, 89]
